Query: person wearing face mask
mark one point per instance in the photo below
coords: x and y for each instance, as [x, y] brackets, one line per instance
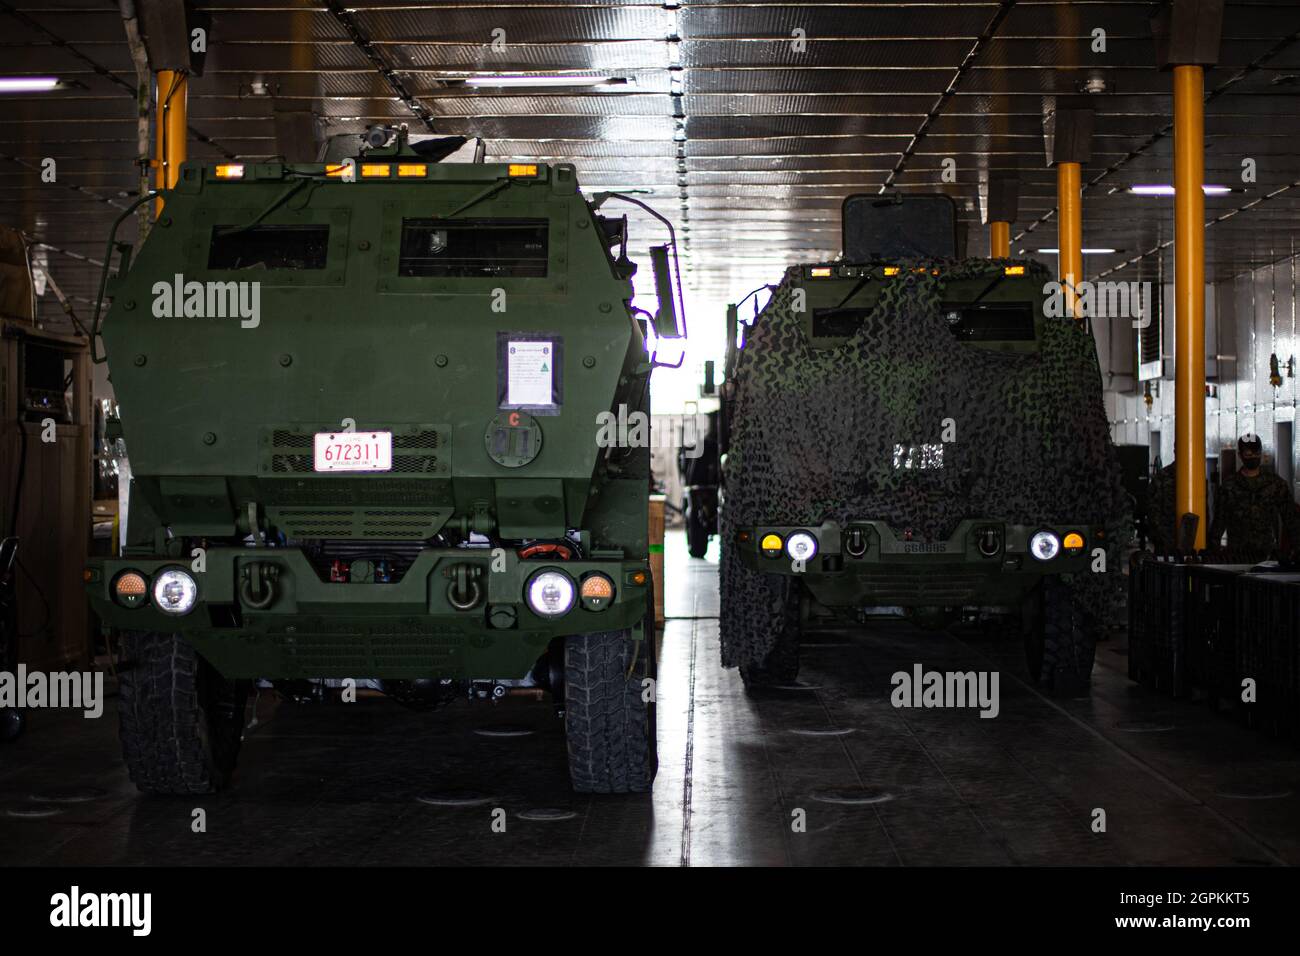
[1250, 505]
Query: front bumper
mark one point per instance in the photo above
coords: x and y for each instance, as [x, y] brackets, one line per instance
[865, 564]
[406, 629]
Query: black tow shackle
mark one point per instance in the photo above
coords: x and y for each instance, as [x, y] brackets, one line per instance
[257, 584]
[464, 592]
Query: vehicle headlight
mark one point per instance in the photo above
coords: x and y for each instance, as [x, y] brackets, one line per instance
[174, 592]
[550, 593]
[1044, 546]
[801, 546]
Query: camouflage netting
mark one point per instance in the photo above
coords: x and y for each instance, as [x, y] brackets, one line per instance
[814, 434]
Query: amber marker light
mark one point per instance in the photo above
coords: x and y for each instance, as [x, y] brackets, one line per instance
[596, 592]
[130, 589]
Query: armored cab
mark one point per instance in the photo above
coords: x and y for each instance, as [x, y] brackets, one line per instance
[361, 402]
[909, 429]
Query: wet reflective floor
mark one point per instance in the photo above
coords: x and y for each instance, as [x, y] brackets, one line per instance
[828, 774]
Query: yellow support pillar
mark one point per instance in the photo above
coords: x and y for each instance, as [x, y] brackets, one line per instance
[170, 124]
[1069, 232]
[999, 240]
[1189, 294]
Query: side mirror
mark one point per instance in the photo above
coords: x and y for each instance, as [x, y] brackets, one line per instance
[667, 323]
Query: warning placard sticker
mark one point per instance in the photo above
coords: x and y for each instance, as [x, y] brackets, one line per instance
[530, 373]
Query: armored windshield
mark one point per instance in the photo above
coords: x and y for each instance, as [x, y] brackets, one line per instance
[269, 247]
[470, 248]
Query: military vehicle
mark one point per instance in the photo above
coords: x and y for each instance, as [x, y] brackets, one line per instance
[360, 402]
[697, 464]
[908, 429]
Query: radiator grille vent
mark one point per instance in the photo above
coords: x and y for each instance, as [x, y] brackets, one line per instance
[347, 523]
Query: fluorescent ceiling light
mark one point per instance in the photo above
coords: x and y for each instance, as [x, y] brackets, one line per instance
[1098, 251]
[1167, 190]
[543, 81]
[28, 84]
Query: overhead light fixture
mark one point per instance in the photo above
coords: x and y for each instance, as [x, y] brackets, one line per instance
[1165, 189]
[1087, 251]
[539, 81]
[29, 84]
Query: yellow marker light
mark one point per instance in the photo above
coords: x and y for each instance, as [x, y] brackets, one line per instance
[230, 171]
[638, 577]
[822, 272]
[1073, 541]
[891, 270]
[772, 545]
[336, 171]
[412, 169]
[1013, 270]
[376, 170]
[523, 169]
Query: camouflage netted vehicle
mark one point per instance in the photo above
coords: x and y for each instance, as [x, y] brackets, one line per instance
[914, 431]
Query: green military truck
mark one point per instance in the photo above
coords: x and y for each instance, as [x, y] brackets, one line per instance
[909, 429]
[360, 401]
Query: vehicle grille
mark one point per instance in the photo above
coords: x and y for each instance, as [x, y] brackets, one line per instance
[913, 587]
[348, 650]
[349, 523]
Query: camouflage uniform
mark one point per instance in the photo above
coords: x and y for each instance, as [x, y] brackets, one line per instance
[1249, 509]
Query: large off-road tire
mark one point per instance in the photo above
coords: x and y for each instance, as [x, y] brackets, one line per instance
[609, 712]
[12, 719]
[697, 533]
[181, 721]
[781, 666]
[1060, 640]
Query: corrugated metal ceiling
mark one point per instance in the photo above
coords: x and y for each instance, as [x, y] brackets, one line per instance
[748, 142]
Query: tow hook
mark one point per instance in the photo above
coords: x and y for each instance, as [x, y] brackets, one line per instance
[464, 592]
[257, 584]
[856, 543]
[487, 690]
[989, 541]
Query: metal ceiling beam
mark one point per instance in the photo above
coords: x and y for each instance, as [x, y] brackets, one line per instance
[962, 69]
[1258, 63]
[1237, 210]
[363, 43]
[79, 190]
